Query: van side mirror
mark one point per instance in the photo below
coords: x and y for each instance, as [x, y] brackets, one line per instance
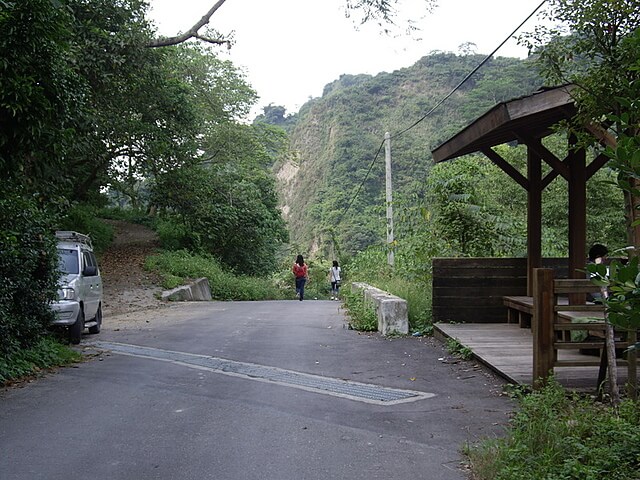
[90, 271]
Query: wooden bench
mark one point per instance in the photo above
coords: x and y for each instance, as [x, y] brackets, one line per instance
[553, 321]
[520, 310]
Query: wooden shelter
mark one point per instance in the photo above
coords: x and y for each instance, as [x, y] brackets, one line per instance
[552, 317]
[527, 120]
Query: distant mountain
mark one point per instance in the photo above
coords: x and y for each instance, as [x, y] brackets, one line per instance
[337, 142]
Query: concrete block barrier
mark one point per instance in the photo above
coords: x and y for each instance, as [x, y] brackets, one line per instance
[198, 290]
[392, 311]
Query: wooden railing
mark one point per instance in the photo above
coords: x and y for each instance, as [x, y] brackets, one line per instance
[553, 321]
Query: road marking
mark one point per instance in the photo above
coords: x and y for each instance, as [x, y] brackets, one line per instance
[362, 392]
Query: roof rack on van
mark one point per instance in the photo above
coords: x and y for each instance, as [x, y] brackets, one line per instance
[74, 237]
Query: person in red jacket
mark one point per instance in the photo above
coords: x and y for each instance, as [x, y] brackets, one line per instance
[301, 271]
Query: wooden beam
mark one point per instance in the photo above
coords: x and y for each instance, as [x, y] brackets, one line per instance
[506, 167]
[548, 178]
[540, 150]
[597, 163]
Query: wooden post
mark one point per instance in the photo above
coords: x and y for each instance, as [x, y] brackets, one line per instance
[534, 217]
[542, 326]
[577, 216]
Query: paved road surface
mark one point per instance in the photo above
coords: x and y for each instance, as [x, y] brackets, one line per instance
[249, 391]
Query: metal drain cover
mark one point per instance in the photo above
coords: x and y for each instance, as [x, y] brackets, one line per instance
[362, 392]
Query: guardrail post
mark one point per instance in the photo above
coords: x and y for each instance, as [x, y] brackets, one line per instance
[542, 325]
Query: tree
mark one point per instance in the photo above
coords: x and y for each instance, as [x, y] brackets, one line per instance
[227, 205]
[40, 94]
[141, 117]
[600, 56]
[596, 48]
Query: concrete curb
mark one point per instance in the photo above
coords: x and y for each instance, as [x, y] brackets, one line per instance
[392, 311]
[198, 290]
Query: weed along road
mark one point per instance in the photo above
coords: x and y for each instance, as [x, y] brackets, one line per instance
[249, 391]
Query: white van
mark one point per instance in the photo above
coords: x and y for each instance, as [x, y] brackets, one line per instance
[79, 302]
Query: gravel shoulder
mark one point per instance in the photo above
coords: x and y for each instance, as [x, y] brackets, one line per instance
[127, 286]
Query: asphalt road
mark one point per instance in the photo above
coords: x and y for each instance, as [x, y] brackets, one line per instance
[221, 391]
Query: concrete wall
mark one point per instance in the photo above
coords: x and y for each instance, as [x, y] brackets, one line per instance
[197, 290]
[391, 311]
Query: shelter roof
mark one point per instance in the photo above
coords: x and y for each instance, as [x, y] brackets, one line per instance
[533, 115]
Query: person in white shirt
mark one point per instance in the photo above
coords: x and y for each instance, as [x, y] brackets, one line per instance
[334, 278]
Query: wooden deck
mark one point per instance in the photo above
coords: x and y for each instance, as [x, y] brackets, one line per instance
[508, 350]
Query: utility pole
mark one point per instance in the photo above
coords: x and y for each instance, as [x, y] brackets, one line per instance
[387, 158]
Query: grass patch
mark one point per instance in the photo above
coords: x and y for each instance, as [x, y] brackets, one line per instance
[46, 353]
[361, 316]
[563, 437]
[180, 267]
[132, 215]
[454, 347]
[84, 219]
[418, 301]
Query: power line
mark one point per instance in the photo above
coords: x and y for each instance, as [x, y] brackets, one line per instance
[470, 74]
[462, 82]
[355, 195]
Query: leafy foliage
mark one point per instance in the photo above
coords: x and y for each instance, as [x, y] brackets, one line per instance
[362, 317]
[336, 143]
[554, 435]
[225, 212]
[40, 93]
[28, 271]
[178, 267]
[622, 281]
[87, 110]
[45, 353]
[84, 218]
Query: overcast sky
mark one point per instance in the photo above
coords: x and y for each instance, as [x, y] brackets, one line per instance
[290, 49]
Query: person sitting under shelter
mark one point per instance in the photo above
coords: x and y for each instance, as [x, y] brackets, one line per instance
[597, 255]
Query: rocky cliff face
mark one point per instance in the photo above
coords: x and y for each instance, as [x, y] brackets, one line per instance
[336, 144]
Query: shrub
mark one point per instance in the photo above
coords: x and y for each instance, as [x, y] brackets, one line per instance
[28, 272]
[173, 235]
[404, 280]
[560, 436]
[181, 266]
[362, 316]
[133, 215]
[45, 353]
[84, 219]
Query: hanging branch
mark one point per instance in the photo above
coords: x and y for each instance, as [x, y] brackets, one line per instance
[193, 32]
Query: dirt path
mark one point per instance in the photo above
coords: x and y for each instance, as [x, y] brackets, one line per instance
[127, 286]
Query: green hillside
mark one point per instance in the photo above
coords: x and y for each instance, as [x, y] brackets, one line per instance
[337, 138]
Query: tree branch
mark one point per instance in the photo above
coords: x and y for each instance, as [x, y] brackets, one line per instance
[192, 32]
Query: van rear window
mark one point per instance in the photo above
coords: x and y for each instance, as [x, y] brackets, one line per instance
[68, 261]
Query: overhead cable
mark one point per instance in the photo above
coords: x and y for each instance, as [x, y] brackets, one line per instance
[470, 74]
[462, 82]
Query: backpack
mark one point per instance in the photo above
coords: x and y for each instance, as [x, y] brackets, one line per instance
[299, 271]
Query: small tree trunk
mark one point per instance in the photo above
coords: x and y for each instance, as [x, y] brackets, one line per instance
[610, 345]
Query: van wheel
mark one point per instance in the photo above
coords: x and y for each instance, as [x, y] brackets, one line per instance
[75, 330]
[96, 328]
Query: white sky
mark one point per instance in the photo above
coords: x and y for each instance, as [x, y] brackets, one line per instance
[290, 49]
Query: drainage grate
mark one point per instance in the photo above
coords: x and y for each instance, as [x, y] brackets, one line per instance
[363, 392]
